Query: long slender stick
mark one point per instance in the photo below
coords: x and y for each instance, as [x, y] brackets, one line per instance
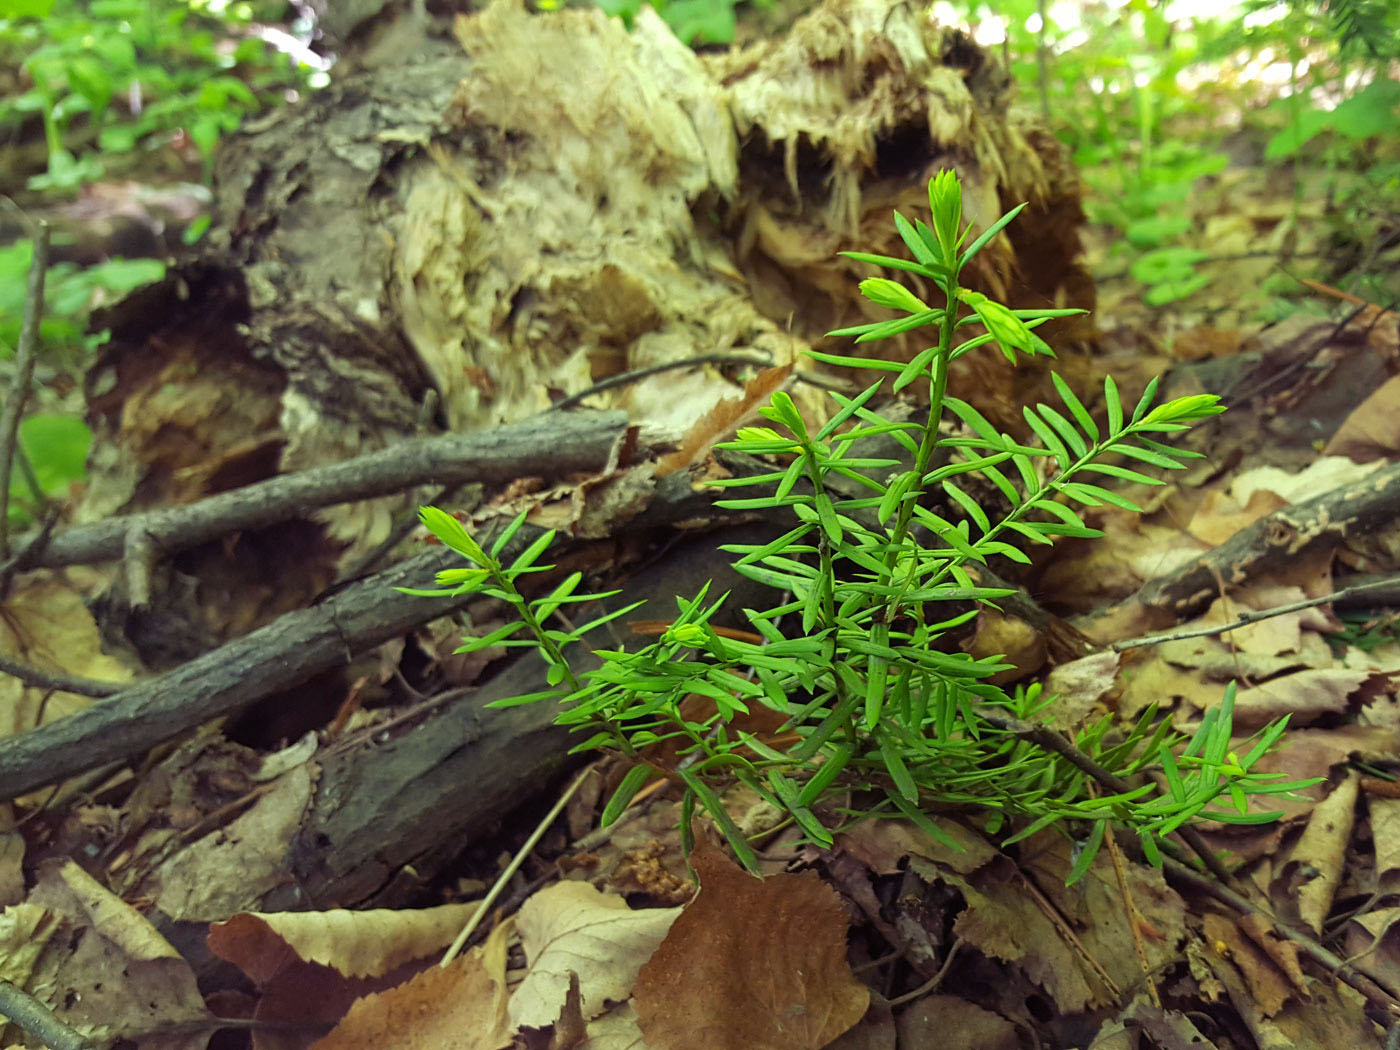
[1244, 619]
[500, 884]
[25, 354]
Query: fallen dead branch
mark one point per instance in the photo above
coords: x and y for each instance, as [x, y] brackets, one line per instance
[290, 650]
[1352, 510]
[551, 446]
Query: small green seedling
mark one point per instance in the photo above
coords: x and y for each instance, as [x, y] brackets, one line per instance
[876, 712]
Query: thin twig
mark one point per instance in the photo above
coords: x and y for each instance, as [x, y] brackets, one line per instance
[62, 682]
[33, 543]
[564, 445]
[933, 982]
[1133, 915]
[25, 355]
[1244, 619]
[38, 1020]
[1381, 997]
[484, 907]
[637, 374]
[1049, 740]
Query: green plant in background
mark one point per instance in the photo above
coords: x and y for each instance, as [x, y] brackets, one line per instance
[53, 444]
[874, 710]
[53, 455]
[1110, 84]
[1366, 631]
[70, 294]
[111, 77]
[693, 21]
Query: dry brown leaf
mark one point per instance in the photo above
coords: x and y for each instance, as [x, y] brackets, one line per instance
[1094, 910]
[1314, 869]
[572, 928]
[193, 884]
[47, 626]
[616, 1030]
[290, 989]
[1374, 939]
[883, 846]
[1305, 696]
[1320, 476]
[1385, 834]
[1285, 953]
[946, 1020]
[1155, 680]
[461, 1006]
[1077, 686]
[1372, 431]
[751, 965]
[1204, 342]
[1268, 986]
[1115, 566]
[719, 421]
[353, 943]
[1012, 638]
[1220, 516]
[102, 967]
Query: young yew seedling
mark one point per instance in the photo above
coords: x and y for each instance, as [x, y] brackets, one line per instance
[874, 709]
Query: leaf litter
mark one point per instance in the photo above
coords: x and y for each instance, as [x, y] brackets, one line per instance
[985, 949]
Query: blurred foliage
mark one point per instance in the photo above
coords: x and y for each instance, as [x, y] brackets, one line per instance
[113, 87]
[1143, 95]
[694, 22]
[109, 77]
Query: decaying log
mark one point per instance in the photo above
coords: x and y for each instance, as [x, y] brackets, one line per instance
[444, 781]
[490, 228]
[1346, 513]
[288, 651]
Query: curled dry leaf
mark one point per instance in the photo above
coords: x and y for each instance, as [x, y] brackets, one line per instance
[353, 943]
[571, 928]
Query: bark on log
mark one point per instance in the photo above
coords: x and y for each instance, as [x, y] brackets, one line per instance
[547, 447]
[299, 645]
[1349, 512]
[431, 789]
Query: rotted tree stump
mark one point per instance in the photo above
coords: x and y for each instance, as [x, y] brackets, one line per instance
[465, 238]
